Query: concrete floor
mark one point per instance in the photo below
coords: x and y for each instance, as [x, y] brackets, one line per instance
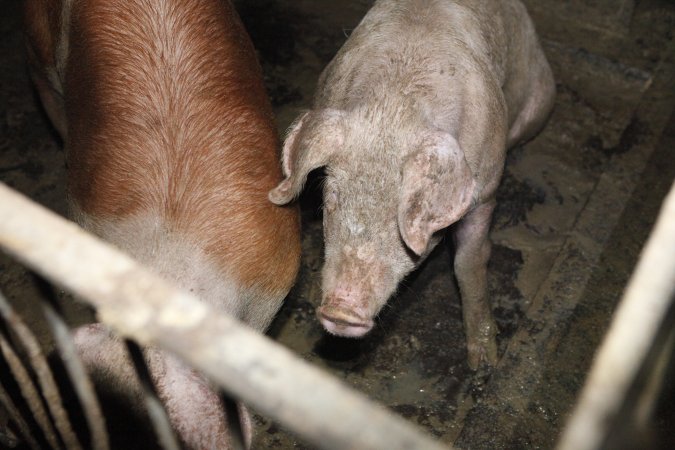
[575, 207]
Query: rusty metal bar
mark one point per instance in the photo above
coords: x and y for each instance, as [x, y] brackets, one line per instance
[41, 368]
[644, 306]
[140, 305]
[28, 391]
[83, 386]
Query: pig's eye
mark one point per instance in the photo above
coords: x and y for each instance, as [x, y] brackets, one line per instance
[330, 199]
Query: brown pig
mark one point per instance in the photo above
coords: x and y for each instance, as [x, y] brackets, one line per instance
[171, 150]
[412, 119]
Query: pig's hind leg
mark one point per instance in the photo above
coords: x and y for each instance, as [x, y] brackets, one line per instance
[472, 254]
[52, 101]
[536, 108]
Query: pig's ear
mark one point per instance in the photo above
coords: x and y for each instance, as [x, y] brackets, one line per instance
[309, 144]
[436, 190]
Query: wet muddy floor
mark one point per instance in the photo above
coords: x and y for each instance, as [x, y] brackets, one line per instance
[575, 206]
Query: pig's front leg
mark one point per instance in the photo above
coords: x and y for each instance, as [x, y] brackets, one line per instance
[471, 258]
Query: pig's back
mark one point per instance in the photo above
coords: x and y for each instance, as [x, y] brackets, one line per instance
[437, 38]
[172, 147]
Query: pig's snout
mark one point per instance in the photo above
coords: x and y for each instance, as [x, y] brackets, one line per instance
[341, 320]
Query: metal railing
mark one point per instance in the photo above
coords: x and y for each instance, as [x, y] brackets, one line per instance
[622, 387]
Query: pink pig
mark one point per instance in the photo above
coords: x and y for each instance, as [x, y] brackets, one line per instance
[412, 119]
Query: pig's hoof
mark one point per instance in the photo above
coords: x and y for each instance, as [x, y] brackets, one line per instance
[343, 322]
[482, 349]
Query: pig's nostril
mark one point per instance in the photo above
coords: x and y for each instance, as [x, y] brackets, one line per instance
[343, 322]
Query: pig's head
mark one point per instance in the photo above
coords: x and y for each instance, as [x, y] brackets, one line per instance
[386, 197]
